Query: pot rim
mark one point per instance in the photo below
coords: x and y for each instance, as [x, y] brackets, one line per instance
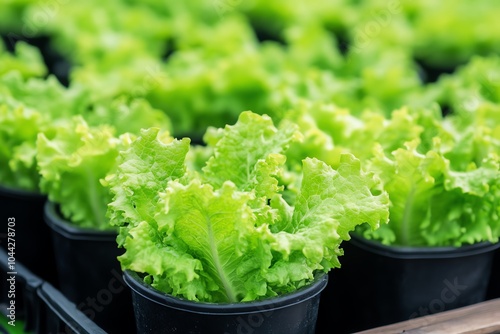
[271, 304]
[19, 193]
[61, 226]
[424, 252]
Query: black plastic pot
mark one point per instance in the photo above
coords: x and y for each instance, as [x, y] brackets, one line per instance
[379, 285]
[33, 247]
[494, 285]
[90, 273]
[157, 312]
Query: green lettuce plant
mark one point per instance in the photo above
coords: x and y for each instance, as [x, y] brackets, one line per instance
[473, 87]
[19, 128]
[225, 233]
[76, 153]
[71, 162]
[29, 107]
[442, 180]
[442, 37]
[441, 173]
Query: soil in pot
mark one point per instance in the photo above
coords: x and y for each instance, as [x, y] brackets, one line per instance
[90, 273]
[379, 285]
[31, 239]
[157, 312]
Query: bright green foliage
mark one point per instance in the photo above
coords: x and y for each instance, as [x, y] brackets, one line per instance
[33, 106]
[441, 173]
[352, 75]
[28, 107]
[225, 233]
[442, 36]
[18, 131]
[473, 91]
[143, 171]
[75, 157]
[127, 116]
[47, 96]
[71, 161]
[436, 201]
[26, 60]
[248, 168]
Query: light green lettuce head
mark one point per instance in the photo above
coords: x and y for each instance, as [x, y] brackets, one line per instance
[225, 233]
[443, 183]
[72, 158]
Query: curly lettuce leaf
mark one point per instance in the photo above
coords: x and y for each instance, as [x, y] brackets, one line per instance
[169, 267]
[411, 179]
[144, 170]
[258, 167]
[330, 204]
[45, 95]
[28, 107]
[473, 206]
[254, 166]
[472, 87]
[128, 115]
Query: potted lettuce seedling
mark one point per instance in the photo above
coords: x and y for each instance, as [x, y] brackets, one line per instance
[442, 176]
[71, 162]
[23, 115]
[472, 95]
[72, 159]
[28, 106]
[218, 249]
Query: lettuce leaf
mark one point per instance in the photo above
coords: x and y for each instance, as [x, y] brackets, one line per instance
[252, 167]
[472, 86]
[137, 181]
[329, 205]
[127, 115]
[218, 228]
[29, 107]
